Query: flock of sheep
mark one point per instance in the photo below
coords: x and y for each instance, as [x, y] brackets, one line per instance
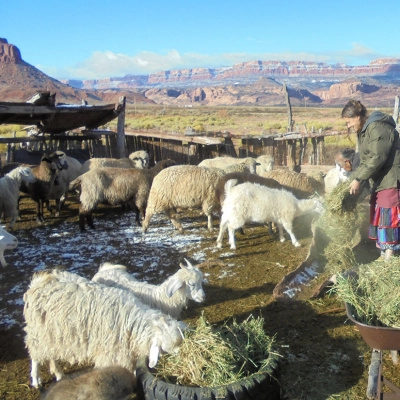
[114, 321]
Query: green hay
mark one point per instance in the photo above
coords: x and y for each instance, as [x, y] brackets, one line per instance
[211, 356]
[374, 293]
[340, 200]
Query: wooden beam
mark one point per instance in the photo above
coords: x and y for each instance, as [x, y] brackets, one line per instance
[121, 148]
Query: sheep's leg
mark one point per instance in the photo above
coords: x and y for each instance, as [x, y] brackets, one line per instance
[2, 259]
[209, 222]
[231, 233]
[39, 211]
[82, 222]
[281, 235]
[146, 221]
[89, 219]
[58, 207]
[172, 215]
[222, 229]
[270, 230]
[55, 369]
[36, 380]
[289, 230]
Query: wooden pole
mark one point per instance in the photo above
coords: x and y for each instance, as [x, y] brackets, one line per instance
[121, 148]
[396, 109]
[289, 109]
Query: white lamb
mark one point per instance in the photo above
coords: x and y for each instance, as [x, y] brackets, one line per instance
[7, 242]
[249, 202]
[10, 185]
[140, 157]
[183, 187]
[69, 318]
[170, 297]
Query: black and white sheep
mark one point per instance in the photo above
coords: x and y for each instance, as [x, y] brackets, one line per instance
[45, 174]
[69, 318]
[249, 202]
[59, 188]
[170, 297]
[110, 383]
[140, 157]
[7, 242]
[115, 186]
[10, 186]
[183, 187]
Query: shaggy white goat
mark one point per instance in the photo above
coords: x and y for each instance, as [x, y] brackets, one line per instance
[250, 202]
[7, 242]
[10, 186]
[183, 187]
[69, 318]
[170, 297]
[110, 383]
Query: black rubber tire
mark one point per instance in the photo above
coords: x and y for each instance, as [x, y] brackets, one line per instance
[259, 386]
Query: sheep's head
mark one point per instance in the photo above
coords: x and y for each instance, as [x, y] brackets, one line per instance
[7, 242]
[190, 279]
[168, 335]
[56, 160]
[26, 174]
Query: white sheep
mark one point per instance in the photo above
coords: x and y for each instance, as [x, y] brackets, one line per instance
[140, 157]
[7, 242]
[139, 160]
[170, 297]
[224, 162]
[335, 176]
[183, 187]
[265, 163]
[115, 186]
[59, 188]
[110, 383]
[69, 318]
[250, 202]
[10, 186]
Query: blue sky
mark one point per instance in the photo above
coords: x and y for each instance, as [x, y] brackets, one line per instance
[93, 39]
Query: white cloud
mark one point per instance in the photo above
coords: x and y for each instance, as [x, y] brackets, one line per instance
[109, 64]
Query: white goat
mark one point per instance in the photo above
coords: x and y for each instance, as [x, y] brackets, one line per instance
[7, 242]
[10, 186]
[170, 297]
[249, 202]
[69, 318]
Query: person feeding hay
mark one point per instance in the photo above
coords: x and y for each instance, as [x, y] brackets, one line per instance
[379, 148]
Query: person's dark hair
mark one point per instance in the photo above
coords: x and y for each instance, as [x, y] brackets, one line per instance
[348, 154]
[354, 108]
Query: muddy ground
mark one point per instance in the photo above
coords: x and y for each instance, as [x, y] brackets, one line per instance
[323, 355]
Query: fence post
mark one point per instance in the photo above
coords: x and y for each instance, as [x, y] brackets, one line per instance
[121, 151]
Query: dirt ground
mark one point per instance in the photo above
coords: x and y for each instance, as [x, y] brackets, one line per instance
[323, 354]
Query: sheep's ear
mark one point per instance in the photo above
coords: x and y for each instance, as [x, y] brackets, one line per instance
[189, 265]
[172, 286]
[153, 355]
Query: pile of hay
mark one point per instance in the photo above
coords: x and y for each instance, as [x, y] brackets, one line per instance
[212, 356]
[340, 226]
[373, 293]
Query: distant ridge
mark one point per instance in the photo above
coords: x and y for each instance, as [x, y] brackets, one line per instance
[248, 83]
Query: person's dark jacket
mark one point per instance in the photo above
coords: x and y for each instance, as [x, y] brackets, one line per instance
[379, 148]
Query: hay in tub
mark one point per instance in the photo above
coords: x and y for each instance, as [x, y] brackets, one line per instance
[211, 356]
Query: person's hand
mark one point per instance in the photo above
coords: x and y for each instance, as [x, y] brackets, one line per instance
[355, 187]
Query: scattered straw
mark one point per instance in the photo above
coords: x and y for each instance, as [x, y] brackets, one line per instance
[340, 199]
[211, 356]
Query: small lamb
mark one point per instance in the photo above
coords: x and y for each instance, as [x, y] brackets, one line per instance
[249, 202]
[170, 297]
[110, 383]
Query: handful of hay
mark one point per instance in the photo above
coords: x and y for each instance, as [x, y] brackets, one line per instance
[340, 199]
[374, 293]
[210, 356]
